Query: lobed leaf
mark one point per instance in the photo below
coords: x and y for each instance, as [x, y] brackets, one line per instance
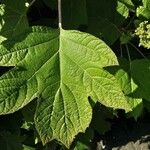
[62, 69]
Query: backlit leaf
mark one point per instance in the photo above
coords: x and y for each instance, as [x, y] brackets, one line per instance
[62, 69]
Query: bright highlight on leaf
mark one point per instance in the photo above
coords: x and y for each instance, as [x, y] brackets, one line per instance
[62, 69]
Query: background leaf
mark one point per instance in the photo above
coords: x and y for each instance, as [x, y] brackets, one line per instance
[125, 77]
[10, 142]
[104, 16]
[13, 20]
[141, 74]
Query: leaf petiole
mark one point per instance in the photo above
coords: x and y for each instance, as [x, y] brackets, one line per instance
[59, 14]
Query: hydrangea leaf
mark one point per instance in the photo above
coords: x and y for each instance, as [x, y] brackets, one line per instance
[101, 115]
[62, 69]
[13, 20]
[10, 141]
[143, 11]
[74, 14]
[124, 75]
[146, 3]
[100, 17]
[141, 75]
[105, 17]
[128, 3]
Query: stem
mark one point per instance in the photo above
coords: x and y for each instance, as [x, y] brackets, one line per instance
[137, 50]
[59, 14]
[31, 3]
[121, 54]
[131, 21]
[128, 53]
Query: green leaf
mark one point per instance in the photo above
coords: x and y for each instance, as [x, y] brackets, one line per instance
[27, 148]
[100, 116]
[28, 114]
[101, 18]
[62, 69]
[80, 146]
[135, 103]
[143, 11]
[29, 111]
[13, 20]
[10, 141]
[146, 104]
[74, 13]
[146, 3]
[52, 3]
[126, 38]
[128, 3]
[124, 74]
[11, 123]
[105, 18]
[101, 27]
[141, 75]
[84, 140]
